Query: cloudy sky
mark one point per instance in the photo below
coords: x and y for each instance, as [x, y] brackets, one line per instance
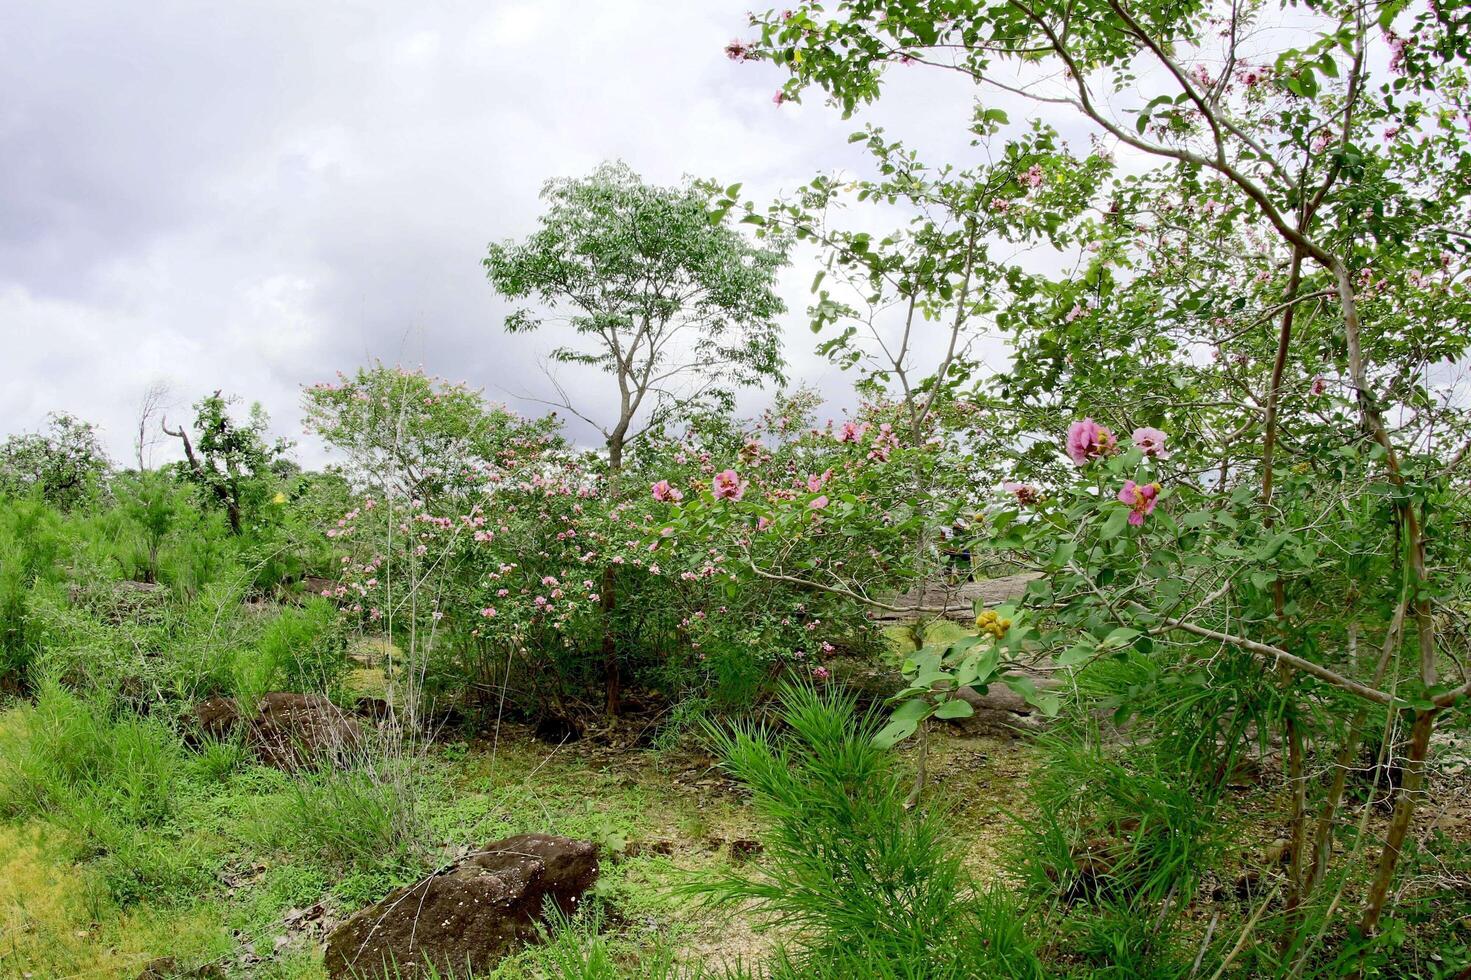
[251, 196]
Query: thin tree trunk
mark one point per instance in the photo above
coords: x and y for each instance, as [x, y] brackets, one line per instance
[608, 590]
[1399, 824]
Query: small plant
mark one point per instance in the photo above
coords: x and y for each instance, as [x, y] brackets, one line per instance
[865, 887]
[360, 816]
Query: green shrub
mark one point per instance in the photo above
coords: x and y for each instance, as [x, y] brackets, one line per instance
[70, 754]
[866, 887]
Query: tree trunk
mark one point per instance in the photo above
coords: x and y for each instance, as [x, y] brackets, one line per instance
[1399, 824]
[608, 590]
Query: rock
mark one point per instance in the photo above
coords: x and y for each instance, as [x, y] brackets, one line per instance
[287, 731]
[556, 730]
[294, 730]
[1002, 712]
[374, 709]
[744, 849]
[468, 917]
[955, 600]
[216, 717]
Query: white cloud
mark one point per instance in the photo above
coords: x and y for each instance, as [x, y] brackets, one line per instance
[254, 196]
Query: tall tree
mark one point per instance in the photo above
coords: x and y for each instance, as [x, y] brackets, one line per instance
[231, 460]
[1322, 166]
[665, 297]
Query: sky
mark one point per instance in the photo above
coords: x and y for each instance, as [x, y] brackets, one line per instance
[253, 196]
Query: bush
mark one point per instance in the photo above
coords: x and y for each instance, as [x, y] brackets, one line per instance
[69, 750]
[867, 888]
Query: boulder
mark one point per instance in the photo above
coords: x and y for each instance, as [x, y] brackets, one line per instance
[290, 731]
[1001, 712]
[216, 717]
[468, 917]
[287, 731]
[374, 709]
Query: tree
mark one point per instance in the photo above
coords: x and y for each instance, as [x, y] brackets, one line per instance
[1303, 221]
[232, 462]
[666, 297]
[403, 432]
[61, 464]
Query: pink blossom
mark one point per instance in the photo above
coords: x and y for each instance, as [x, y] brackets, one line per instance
[816, 483]
[1000, 205]
[762, 523]
[1150, 441]
[1141, 498]
[1024, 493]
[738, 50]
[821, 673]
[1078, 310]
[1033, 177]
[1086, 440]
[779, 97]
[1322, 141]
[1320, 385]
[665, 493]
[729, 486]
[852, 432]
[819, 503]
[488, 612]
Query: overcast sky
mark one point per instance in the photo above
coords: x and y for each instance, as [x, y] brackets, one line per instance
[252, 196]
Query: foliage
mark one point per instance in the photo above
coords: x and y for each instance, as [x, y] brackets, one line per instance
[867, 888]
[1267, 301]
[637, 266]
[233, 462]
[62, 465]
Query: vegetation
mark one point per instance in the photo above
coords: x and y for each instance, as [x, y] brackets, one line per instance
[1225, 472]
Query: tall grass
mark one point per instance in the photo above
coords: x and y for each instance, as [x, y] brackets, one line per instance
[858, 885]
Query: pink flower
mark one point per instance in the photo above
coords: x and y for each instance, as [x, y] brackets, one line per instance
[1025, 493]
[1086, 440]
[1141, 498]
[488, 612]
[852, 432]
[762, 523]
[729, 486]
[738, 50]
[667, 494]
[816, 483]
[779, 97]
[819, 503]
[1151, 442]
[1033, 177]
[1321, 141]
[1077, 311]
[821, 673]
[1320, 385]
[1000, 205]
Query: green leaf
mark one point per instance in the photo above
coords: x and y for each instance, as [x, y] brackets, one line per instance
[1120, 637]
[893, 733]
[1114, 526]
[955, 709]
[1076, 654]
[915, 711]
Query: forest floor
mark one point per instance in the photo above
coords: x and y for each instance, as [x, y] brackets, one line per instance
[233, 887]
[247, 898]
